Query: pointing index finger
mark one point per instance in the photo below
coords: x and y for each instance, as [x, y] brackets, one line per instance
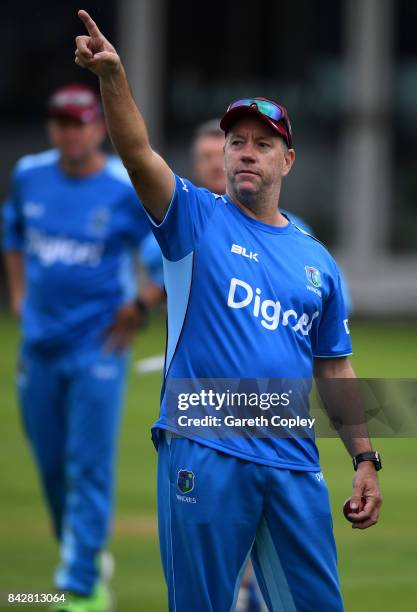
[89, 23]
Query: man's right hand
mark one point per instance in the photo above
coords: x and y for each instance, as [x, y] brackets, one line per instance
[94, 51]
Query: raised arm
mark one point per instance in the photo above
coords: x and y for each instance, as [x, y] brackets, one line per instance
[149, 173]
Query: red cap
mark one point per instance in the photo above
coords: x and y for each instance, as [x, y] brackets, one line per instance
[282, 126]
[76, 101]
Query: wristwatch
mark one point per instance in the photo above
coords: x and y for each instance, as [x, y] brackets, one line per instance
[373, 456]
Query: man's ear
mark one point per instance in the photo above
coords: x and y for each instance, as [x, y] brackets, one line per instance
[289, 159]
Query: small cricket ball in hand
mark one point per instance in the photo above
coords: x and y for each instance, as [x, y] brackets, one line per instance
[348, 510]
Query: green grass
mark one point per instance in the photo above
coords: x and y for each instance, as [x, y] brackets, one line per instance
[378, 567]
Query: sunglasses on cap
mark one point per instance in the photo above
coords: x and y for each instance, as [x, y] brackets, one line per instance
[275, 115]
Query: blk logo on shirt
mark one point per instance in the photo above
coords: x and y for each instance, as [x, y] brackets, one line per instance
[240, 250]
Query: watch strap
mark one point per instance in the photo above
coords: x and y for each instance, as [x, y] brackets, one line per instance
[368, 456]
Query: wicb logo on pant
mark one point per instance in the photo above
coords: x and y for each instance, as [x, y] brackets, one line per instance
[185, 481]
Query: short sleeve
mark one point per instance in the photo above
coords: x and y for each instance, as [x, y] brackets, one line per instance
[13, 231]
[186, 218]
[332, 338]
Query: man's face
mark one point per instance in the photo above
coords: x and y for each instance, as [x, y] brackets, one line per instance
[209, 162]
[256, 159]
[75, 140]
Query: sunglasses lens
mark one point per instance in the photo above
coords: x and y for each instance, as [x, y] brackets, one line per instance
[269, 109]
[243, 102]
[264, 106]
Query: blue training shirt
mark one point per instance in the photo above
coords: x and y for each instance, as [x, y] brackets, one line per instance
[246, 300]
[79, 237]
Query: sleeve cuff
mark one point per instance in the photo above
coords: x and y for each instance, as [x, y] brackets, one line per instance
[330, 355]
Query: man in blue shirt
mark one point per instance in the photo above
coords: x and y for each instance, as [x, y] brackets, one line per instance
[207, 156]
[72, 232]
[249, 296]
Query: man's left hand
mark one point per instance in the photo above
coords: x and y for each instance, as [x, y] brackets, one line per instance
[365, 484]
[120, 334]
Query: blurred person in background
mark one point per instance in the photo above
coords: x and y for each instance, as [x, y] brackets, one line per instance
[72, 232]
